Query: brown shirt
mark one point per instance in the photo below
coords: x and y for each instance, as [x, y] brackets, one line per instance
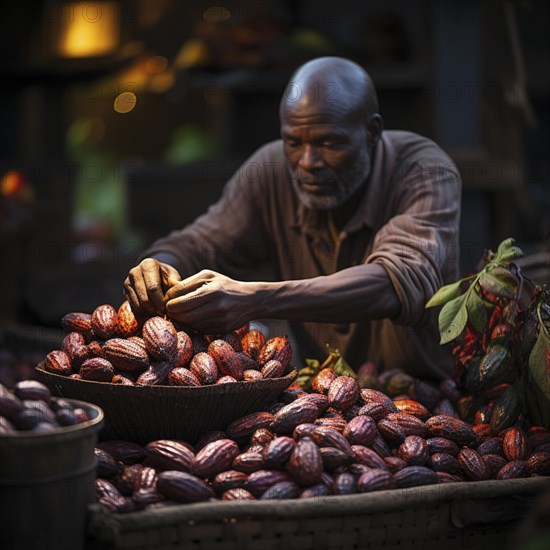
[407, 220]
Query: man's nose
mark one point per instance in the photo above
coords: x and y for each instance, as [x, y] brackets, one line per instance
[311, 158]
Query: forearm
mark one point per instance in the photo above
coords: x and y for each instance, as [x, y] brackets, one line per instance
[359, 293]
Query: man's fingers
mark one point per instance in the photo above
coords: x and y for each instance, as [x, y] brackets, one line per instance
[131, 296]
[170, 276]
[187, 303]
[140, 289]
[153, 285]
[184, 287]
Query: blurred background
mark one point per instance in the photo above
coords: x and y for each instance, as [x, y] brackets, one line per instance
[123, 119]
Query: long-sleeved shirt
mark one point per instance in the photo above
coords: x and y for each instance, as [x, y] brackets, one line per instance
[407, 220]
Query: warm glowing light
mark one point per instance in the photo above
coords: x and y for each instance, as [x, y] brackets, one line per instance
[156, 64]
[12, 182]
[125, 102]
[89, 29]
[216, 14]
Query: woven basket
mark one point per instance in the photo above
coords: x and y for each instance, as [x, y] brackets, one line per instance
[147, 413]
[439, 517]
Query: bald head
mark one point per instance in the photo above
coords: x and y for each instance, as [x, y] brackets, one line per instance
[330, 86]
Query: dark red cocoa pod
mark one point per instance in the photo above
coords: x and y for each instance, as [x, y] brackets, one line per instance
[377, 479]
[414, 476]
[297, 412]
[538, 464]
[322, 381]
[277, 452]
[167, 454]
[248, 462]
[392, 432]
[262, 436]
[367, 456]
[334, 458]
[361, 430]
[306, 464]
[445, 477]
[126, 355]
[126, 479]
[443, 462]
[412, 407]
[315, 491]
[77, 322]
[155, 375]
[329, 437]
[183, 487]
[214, 458]
[493, 463]
[161, 338]
[251, 375]
[230, 479]
[105, 488]
[107, 466]
[258, 482]
[208, 438]
[276, 348]
[343, 393]
[414, 451]
[345, 484]
[238, 493]
[394, 463]
[515, 444]
[123, 451]
[452, 428]
[226, 359]
[281, 490]
[513, 470]
[446, 407]
[336, 422]
[442, 445]
[104, 321]
[303, 430]
[411, 424]
[425, 394]
[492, 445]
[472, 465]
[252, 343]
[273, 369]
[181, 376]
[57, 362]
[204, 368]
[184, 349]
[377, 411]
[241, 429]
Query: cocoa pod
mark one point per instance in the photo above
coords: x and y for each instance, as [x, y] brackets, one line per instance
[252, 342]
[538, 436]
[74, 345]
[414, 476]
[262, 437]
[126, 355]
[181, 376]
[238, 493]
[230, 479]
[446, 407]
[315, 491]
[123, 451]
[122, 380]
[398, 384]
[273, 369]
[306, 464]
[97, 369]
[425, 394]
[506, 410]
[95, 348]
[380, 447]
[183, 487]
[493, 463]
[513, 470]
[357, 469]
[495, 364]
[248, 462]
[297, 412]
[107, 466]
[208, 438]
[204, 368]
[144, 499]
[281, 490]
[226, 359]
[443, 462]
[413, 408]
[104, 321]
[184, 349]
[251, 375]
[161, 338]
[242, 428]
[36, 391]
[345, 484]
[377, 479]
[442, 445]
[411, 424]
[394, 463]
[126, 479]
[360, 430]
[127, 323]
[146, 480]
[77, 322]
[258, 482]
[214, 458]
[343, 392]
[392, 432]
[248, 363]
[369, 395]
[493, 445]
[58, 362]
[10, 404]
[226, 379]
[445, 477]
[414, 451]
[377, 411]
[367, 456]
[233, 339]
[322, 381]
[277, 452]
[338, 423]
[329, 437]
[303, 430]
[514, 445]
[472, 465]
[482, 431]
[538, 464]
[452, 428]
[167, 454]
[276, 348]
[334, 458]
[104, 488]
[155, 375]
[351, 412]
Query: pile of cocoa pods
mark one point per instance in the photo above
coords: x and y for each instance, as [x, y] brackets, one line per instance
[338, 439]
[118, 347]
[30, 407]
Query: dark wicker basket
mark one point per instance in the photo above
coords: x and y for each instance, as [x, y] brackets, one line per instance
[483, 515]
[147, 413]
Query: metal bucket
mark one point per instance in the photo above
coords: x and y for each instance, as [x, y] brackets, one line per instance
[46, 483]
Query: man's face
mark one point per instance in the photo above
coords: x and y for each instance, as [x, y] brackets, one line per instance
[328, 158]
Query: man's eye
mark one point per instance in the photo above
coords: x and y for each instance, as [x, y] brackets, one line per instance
[291, 143]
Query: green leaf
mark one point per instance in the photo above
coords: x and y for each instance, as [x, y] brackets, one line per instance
[499, 281]
[445, 294]
[507, 252]
[452, 319]
[477, 311]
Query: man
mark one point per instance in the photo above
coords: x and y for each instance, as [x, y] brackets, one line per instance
[360, 225]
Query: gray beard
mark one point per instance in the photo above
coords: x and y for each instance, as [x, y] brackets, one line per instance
[344, 188]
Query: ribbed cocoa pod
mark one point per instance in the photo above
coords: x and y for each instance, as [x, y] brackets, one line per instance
[273, 369]
[248, 462]
[411, 424]
[315, 491]
[226, 379]
[360, 430]
[277, 453]
[161, 338]
[183, 487]
[367, 456]
[155, 375]
[74, 345]
[95, 348]
[10, 404]
[230, 479]
[377, 479]
[413, 408]
[126, 479]
[97, 369]
[345, 484]
[494, 365]
[146, 480]
[343, 392]
[242, 428]
[452, 428]
[492, 445]
[336, 422]
[306, 464]
[514, 444]
[380, 446]
[353, 411]
[107, 466]
[58, 362]
[297, 412]
[322, 381]
[394, 463]
[104, 488]
[493, 463]
[443, 462]
[377, 411]
[181, 376]
[446, 407]
[262, 437]
[119, 505]
[414, 476]
[251, 375]
[425, 394]
[472, 465]
[414, 451]
[184, 349]
[513, 470]
[442, 445]
[123, 451]
[538, 464]
[506, 410]
[104, 321]
[238, 493]
[276, 348]
[36, 391]
[258, 482]
[281, 490]
[77, 322]
[204, 368]
[334, 458]
[167, 454]
[449, 389]
[398, 384]
[248, 363]
[214, 458]
[126, 355]
[233, 339]
[445, 477]
[144, 499]
[302, 430]
[356, 468]
[329, 437]
[369, 395]
[392, 432]
[537, 437]
[208, 438]
[127, 323]
[122, 380]
[226, 359]
[252, 343]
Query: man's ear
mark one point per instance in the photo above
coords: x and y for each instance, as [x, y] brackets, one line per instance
[375, 125]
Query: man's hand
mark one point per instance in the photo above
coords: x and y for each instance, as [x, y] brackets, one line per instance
[211, 302]
[147, 284]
